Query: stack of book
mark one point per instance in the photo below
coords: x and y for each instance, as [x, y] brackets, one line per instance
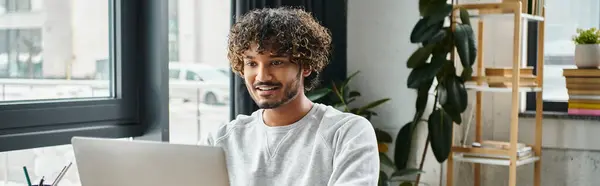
[502, 77]
[523, 151]
[583, 86]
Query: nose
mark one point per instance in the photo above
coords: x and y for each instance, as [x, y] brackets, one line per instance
[263, 74]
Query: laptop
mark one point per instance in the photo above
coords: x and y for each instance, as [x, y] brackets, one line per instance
[117, 162]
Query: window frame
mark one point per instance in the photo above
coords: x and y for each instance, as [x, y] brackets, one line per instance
[139, 54]
[530, 100]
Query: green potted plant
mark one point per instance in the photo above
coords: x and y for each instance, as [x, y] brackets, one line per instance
[340, 96]
[432, 67]
[587, 48]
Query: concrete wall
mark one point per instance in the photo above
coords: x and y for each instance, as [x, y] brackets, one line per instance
[378, 46]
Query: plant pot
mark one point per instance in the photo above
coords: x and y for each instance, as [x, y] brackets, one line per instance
[587, 55]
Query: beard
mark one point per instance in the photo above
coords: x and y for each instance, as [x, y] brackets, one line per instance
[289, 93]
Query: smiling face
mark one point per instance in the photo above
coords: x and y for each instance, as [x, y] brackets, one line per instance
[272, 79]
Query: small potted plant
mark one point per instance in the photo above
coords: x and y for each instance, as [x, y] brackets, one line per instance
[587, 49]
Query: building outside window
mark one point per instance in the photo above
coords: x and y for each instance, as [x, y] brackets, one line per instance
[563, 18]
[14, 6]
[61, 49]
[21, 53]
[173, 30]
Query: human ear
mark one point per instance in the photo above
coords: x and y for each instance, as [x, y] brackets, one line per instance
[306, 72]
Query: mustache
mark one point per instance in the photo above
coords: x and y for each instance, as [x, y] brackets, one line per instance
[267, 83]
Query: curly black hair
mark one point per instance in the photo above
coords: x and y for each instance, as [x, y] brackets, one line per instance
[293, 31]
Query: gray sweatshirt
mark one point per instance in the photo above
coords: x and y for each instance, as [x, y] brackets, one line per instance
[326, 147]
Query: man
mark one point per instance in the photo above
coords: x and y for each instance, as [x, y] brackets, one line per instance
[291, 140]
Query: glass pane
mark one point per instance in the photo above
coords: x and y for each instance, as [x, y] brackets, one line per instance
[562, 20]
[46, 161]
[198, 68]
[54, 49]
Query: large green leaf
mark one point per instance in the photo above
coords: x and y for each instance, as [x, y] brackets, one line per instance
[453, 113]
[385, 160]
[353, 94]
[466, 74]
[344, 85]
[419, 57]
[406, 184]
[423, 4]
[424, 73]
[423, 95]
[465, 44]
[403, 145]
[472, 45]
[383, 136]
[425, 29]
[437, 37]
[372, 105]
[464, 16]
[437, 10]
[440, 134]
[318, 94]
[457, 93]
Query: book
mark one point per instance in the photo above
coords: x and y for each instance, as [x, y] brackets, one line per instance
[573, 86]
[584, 92]
[584, 97]
[585, 73]
[523, 151]
[507, 71]
[587, 112]
[582, 80]
[496, 145]
[592, 106]
[586, 101]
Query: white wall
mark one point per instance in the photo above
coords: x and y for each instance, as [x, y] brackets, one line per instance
[378, 46]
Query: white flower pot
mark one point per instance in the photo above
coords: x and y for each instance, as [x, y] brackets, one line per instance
[587, 55]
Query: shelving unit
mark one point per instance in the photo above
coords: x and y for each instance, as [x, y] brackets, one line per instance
[522, 14]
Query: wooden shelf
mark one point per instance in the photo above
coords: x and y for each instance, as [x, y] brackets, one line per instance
[486, 88]
[526, 17]
[483, 10]
[515, 11]
[494, 161]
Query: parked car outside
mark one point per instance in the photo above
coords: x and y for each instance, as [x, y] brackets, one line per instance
[198, 82]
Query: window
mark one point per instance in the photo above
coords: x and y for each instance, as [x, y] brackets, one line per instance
[111, 82]
[77, 73]
[562, 20]
[10, 6]
[67, 61]
[200, 101]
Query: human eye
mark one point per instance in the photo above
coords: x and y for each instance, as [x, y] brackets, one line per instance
[250, 63]
[276, 62]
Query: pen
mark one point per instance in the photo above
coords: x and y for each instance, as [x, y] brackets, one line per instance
[27, 175]
[61, 175]
[41, 182]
